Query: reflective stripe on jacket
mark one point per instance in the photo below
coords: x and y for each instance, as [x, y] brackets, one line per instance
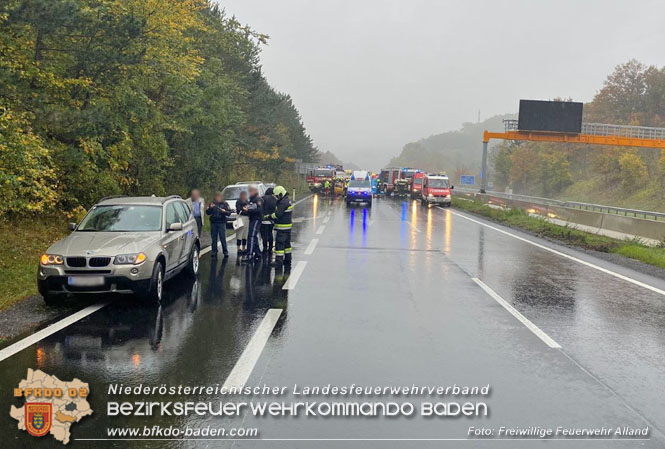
[282, 214]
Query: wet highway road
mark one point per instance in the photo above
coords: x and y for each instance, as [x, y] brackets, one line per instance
[399, 294]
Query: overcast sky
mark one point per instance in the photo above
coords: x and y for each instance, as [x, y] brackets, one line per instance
[369, 76]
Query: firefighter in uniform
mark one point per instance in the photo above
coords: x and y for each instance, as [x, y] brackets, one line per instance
[282, 218]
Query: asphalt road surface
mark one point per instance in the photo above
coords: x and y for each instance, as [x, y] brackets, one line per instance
[399, 294]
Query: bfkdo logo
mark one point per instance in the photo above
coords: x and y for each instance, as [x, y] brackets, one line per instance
[51, 405]
[38, 417]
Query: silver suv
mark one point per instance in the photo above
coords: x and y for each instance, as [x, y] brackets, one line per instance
[123, 245]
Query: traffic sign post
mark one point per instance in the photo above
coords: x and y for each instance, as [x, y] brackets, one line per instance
[467, 180]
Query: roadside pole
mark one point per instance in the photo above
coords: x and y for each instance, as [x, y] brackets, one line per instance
[483, 173]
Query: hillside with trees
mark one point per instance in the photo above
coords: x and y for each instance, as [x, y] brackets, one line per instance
[455, 152]
[634, 94]
[104, 97]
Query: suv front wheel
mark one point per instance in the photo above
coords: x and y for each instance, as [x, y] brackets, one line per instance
[156, 288]
[193, 264]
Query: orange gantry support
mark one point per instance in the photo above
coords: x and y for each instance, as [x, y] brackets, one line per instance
[576, 138]
[592, 133]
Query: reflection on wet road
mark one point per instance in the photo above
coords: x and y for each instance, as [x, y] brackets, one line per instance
[384, 296]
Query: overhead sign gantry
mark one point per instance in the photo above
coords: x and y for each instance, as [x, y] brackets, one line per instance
[561, 121]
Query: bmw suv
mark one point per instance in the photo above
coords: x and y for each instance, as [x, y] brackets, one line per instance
[123, 245]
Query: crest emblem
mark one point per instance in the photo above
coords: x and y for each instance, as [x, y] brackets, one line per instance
[38, 418]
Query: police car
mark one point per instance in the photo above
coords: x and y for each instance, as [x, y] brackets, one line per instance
[360, 188]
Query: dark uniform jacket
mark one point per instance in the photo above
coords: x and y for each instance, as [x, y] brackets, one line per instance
[216, 214]
[239, 205]
[282, 214]
[269, 207]
[255, 211]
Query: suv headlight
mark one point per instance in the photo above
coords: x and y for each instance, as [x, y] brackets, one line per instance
[130, 259]
[448, 196]
[431, 195]
[51, 259]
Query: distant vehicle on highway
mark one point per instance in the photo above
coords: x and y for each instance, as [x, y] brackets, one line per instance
[417, 185]
[231, 193]
[388, 176]
[317, 177]
[123, 245]
[360, 188]
[436, 189]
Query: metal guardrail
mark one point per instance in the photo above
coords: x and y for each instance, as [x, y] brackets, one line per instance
[649, 215]
[600, 129]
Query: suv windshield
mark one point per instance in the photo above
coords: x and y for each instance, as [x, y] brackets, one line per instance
[359, 183]
[233, 192]
[438, 183]
[122, 218]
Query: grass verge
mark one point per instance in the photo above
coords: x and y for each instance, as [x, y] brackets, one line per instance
[23, 242]
[539, 226]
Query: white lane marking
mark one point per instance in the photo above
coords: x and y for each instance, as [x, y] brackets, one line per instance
[291, 282]
[327, 219]
[370, 223]
[414, 226]
[514, 312]
[311, 246]
[245, 364]
[207, 249]
[302, 199]
[573, 258]
[50, 330]
[320, 230]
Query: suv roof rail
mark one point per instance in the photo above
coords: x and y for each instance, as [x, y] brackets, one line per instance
[110, 197]
[171, 197]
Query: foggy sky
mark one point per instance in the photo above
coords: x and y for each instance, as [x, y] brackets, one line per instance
[369, 76]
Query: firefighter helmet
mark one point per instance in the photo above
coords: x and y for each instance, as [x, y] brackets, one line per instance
[279, 191]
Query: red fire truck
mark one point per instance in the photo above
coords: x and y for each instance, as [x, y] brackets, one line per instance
[436, 190]
[317, 177]
[388, 177]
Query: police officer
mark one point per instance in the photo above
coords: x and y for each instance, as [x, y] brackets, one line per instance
[283, 225]
[269, 206]
[255, 214]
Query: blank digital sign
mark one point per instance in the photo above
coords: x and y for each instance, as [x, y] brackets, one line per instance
[551, 116]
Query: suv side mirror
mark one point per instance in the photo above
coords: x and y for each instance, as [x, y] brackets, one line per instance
[452, 187]
[177, 226]
[72, 226]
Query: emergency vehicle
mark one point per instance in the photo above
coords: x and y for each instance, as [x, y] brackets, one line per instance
[317, 177]
[388, 176]
[436, 189]
[417, 185]
[360, 188]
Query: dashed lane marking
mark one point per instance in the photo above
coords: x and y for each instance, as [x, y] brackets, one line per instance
[245, 364]
[521, 318]
[291, 282]
[320, 230]
[311, 246]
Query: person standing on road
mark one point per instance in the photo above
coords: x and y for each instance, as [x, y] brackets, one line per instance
[241, 233]
[269, 205]
[218, 211]
[196, 203]
[283, 225]
[255, 214]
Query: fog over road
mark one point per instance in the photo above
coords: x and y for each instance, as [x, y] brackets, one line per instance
[396, 295]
